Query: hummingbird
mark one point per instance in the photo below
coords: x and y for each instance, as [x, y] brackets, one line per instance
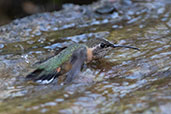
[70, 61]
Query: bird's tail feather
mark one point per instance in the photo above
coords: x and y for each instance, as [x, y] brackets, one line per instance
[33, 75]
[40, 77]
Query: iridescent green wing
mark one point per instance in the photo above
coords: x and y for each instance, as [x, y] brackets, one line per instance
[50, 69]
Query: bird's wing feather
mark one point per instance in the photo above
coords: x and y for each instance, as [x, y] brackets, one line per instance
[48, 70]
[78, 59]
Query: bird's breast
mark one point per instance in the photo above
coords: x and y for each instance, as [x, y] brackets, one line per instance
[89, 54]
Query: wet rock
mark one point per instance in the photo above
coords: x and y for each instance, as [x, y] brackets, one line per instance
[106, 9]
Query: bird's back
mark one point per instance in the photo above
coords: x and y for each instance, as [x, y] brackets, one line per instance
[51, 68]
[60, 58]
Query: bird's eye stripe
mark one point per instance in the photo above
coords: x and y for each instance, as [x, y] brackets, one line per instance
[102, 45]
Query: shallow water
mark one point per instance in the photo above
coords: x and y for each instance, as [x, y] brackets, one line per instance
[125, 81]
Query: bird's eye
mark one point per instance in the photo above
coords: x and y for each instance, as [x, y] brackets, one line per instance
[102, 45]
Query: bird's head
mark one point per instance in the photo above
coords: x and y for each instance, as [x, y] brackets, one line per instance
[100, 47]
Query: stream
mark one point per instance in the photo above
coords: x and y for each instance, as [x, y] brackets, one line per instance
[125, 81]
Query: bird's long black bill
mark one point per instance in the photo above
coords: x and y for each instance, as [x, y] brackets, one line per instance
[114, 46]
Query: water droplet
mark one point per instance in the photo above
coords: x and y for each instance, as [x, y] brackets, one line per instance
[66, 95]
[115, 26]
[59, 100]
[44, 110]
[1, 45]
